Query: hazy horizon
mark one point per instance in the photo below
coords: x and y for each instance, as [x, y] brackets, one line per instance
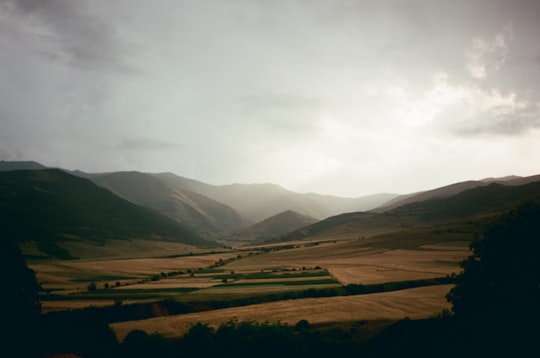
[346, 98]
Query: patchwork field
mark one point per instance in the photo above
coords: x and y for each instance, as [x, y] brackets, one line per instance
[414, 303]
[244, 272]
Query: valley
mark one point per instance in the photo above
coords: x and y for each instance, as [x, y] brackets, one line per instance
[262, 271]
[152, 253]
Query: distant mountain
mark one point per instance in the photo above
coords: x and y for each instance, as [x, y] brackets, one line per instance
[261, 201]
[207, 217]
[50, 206]
[274, 226]
[452, 189]
[467, 205]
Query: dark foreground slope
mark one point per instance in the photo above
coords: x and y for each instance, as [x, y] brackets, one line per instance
[51, 206]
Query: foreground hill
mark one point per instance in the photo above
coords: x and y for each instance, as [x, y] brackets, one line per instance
[209, 218]
[50, 207]
[261, 201]
[274, 226]
[466, 206]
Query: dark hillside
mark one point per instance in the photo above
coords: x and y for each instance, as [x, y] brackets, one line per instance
[453, 189]
[494, 198]
[49, 206]
[7, 166]
[471, 204]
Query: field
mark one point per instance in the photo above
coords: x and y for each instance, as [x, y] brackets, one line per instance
[414, 303]
[284, 282]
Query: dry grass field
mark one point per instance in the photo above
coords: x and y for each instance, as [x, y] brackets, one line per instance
[414, 303]
[177, 273]
[74, 275]
[352, 261]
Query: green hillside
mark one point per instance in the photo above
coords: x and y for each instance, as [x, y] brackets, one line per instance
[50, 206]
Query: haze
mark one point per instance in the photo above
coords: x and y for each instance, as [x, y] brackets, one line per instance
[336, 97]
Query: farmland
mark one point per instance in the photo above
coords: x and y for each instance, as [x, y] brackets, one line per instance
[265, 275]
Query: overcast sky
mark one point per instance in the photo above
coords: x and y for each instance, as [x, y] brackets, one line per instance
[336, 97]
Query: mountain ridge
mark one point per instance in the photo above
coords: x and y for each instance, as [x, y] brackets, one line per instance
[452, 189]
[471, 205]
[198, 212]
[50, 206]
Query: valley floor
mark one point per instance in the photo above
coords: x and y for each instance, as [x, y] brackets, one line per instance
[415, 303]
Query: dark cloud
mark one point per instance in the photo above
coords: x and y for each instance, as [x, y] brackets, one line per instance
[70, 32]
[330, 91]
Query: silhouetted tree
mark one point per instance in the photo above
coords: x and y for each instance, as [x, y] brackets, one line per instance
[199, 341]
[502, 276]
[141, 344]
[19, 301]
[497, 295]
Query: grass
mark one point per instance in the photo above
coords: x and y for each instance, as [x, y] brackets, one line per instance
[419, 302]
[329, 281]
[288, 270]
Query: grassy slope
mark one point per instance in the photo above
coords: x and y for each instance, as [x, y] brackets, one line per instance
[50, 206]
[468, 205]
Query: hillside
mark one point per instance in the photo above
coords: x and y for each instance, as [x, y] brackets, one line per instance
[466, 206]
[213, 210]
[261, 201]
[453, 189]
[492, 198]
[274, 226]
[50, 206]
[207, 217]
[6, 166]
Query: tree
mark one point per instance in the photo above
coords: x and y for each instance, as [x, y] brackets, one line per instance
[19, 300]
[502, 276]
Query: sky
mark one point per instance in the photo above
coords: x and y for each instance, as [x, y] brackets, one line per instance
[337, 97]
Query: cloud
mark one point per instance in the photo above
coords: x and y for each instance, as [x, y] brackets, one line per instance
[490, 113]
[458, 109]
[71, 32]
[487, 56]
[146, 144]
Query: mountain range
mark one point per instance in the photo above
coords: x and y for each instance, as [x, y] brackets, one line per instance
[50, 207]
[59, 204]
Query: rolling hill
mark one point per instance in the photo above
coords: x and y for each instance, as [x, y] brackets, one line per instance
[452, 189]
[50, 206]
[471, 205]
[207, 217]
[7, 166]
[274, 226]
